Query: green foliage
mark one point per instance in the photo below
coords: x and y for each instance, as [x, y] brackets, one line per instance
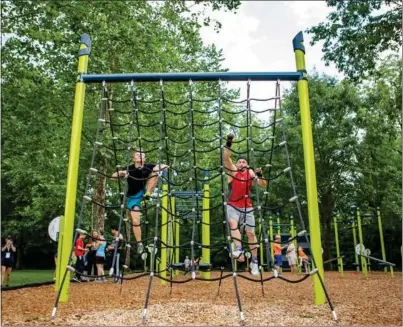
[39, 68]
[357, 142]
[357, 34]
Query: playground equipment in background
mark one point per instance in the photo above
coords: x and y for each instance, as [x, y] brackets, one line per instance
[287, 230]
[362, 255]
[365, 253]
[275, 228]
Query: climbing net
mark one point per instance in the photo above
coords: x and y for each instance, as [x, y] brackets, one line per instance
[190, 199]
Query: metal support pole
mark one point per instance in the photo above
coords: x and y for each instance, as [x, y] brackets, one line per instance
[278, 224]
[310, 172]
[293, 234]
[339, 258]
[261, 245]
[271, 236]
[362, 259]
[206, 224]
[177, 229]
[355, 243]
[74, 157]
[378, 213]
[164, 228]
[60, 245]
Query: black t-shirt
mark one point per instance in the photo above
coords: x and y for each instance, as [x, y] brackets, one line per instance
[7, 255]
[138, 179]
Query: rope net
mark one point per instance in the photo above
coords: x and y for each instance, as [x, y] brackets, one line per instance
[173, 124]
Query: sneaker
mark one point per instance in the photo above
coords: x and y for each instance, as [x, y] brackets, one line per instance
[140, 248]
[275, 273]
[116, 280]
[238, 255]
[254, 268]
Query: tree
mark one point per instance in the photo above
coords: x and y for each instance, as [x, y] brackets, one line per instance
[379, 172]
[357, 143]
[334, 106]
[39, 68]
[358, 33]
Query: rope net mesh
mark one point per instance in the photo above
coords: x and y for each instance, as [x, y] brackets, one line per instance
[177, 125]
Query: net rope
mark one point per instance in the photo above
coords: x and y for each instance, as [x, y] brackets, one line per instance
[217, 113]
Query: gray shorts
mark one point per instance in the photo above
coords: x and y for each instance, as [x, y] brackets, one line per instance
[244, 218]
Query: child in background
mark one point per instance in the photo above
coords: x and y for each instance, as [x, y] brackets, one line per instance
[303, 259]
[100, 245]
[277, 255]
[291, 256]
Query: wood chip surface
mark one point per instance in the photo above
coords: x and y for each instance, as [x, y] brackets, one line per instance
[358, 301]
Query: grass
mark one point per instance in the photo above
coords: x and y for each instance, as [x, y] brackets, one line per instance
[22, 277]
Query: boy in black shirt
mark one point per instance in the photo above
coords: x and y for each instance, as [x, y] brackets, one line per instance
[142, 179]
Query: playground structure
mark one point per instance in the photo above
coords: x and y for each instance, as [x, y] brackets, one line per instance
[168, 237]
[362, 255]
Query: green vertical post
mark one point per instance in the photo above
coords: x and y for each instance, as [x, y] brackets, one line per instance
[74, 157]
[261, 247]
[177, 229]
[278, 224]
[235, 261]
[355, 243]
[309, 163]
[206, 224]
[271, 236]
[378, 213]
[362, 259]
[164, 228]
[293, 234]
[292, 228]
[336, 235]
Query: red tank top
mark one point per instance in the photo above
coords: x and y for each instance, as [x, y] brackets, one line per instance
[240, 187]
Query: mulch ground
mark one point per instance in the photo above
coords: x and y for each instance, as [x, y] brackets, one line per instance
[375, 301]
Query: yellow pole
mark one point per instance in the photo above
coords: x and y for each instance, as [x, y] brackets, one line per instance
[362, 259]
[74, 157]
[310, 173]
[378, 213]
[164, 230]
[177, 230]
[261, 247]
[339, 259]
[292, 228]
[278, 224]
[271, 237]
[355, 244]
[294, 233]
[206, 224]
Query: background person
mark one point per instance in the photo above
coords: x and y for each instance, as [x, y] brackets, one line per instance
[7, 259]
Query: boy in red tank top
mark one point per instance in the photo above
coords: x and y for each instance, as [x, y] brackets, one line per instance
[239, 206]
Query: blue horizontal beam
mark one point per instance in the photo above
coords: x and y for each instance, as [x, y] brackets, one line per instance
[184, 77]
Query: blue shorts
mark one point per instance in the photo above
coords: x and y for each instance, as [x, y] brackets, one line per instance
[277, 260]
[135, 200]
